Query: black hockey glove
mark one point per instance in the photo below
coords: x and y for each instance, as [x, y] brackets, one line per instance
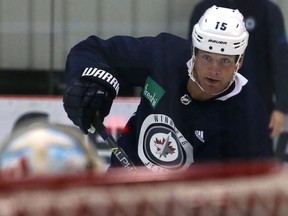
[88, 98]
[84, 100]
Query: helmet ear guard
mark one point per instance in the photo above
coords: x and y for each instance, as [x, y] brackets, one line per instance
[221, 30]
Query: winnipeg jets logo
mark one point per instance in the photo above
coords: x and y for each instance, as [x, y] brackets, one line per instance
[161, 146]
[250, 23]
[164, 146]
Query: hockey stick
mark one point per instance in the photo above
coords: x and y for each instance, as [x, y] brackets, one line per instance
[98, 126]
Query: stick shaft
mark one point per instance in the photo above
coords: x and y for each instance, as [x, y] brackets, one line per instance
[112, 144]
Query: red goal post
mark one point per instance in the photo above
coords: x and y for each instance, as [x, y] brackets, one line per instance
[254, 188]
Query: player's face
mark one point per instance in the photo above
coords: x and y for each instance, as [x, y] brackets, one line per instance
[214, 71]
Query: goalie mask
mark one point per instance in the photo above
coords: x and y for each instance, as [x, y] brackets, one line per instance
[47, 149]
[222, 31]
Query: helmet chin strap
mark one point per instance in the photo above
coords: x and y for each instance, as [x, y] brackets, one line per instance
[191, 75]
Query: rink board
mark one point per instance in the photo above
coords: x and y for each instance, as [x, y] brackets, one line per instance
[13, 107]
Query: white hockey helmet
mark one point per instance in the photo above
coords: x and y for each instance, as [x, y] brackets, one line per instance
[221, 30]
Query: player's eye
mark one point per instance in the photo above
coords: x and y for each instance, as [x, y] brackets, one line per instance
[206, 58]
[225, 61]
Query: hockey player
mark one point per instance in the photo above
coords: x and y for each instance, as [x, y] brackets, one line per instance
[266, 57]
[210, 114]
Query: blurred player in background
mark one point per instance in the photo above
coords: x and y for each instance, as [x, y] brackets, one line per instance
[194, 105]
[266, 56]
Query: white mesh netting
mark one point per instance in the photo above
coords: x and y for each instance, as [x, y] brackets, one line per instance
[249, 189]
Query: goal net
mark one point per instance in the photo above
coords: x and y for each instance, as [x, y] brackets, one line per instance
[254, 188]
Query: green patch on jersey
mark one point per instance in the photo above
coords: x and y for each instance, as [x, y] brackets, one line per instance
[153, 92]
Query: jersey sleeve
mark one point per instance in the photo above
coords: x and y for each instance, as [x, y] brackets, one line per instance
[123, 54]
[278, 46]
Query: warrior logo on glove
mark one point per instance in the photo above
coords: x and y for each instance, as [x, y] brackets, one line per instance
[104, 75]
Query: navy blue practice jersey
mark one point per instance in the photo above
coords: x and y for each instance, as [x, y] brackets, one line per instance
[170, 130]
